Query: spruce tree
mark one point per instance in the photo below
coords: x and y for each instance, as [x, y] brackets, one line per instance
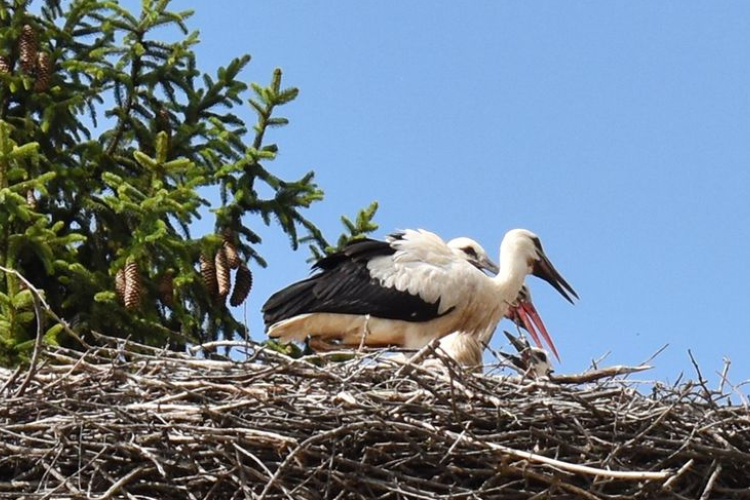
[107, 133]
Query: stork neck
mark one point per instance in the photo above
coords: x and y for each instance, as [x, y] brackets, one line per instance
[513, 272]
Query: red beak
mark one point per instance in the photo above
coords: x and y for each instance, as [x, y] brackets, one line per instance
[533, 322]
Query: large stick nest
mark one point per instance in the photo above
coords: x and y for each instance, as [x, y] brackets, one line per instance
[128, 421]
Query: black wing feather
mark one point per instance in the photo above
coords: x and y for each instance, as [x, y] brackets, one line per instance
[343, 285]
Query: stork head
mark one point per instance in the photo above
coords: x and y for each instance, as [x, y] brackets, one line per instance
[538, 362]
[529, 360]
[521, 245]
[468, 249]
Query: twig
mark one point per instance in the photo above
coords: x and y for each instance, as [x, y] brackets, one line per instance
[677, 475]
[724, 372]
[36, 298]
[120, 483]
[701, 380]
[595, 362]
[710, 484]
[654, 355]
[221, 343]
[413, 362]
[594, 375]
[11, 379]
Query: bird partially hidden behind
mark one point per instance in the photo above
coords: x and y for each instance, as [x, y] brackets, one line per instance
[467, 349]
[530, 361]
[406, 291]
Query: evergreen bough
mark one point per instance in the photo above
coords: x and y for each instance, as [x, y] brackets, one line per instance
[108, 138]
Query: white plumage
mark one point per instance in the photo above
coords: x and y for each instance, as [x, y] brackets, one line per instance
[406, 291]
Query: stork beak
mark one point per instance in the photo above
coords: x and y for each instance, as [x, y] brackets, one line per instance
[544, 269]
[533, 322]
[518, 343]
[487, 264]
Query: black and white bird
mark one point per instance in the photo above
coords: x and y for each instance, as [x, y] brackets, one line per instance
[406, 291]
[530, 361]
[465, 352]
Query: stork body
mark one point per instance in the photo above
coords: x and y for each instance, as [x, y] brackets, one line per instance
[406, 291]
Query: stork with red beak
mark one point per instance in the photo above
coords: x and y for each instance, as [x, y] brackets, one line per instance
[406, 291]
[523, 313]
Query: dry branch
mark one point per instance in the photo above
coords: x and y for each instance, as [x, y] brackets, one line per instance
[124, 420]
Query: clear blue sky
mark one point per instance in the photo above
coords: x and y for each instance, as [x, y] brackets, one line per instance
[619, 132]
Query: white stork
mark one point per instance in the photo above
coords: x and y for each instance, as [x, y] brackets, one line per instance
[464, 351]
[406, 291]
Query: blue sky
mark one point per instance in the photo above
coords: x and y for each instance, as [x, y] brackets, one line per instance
[619, 132]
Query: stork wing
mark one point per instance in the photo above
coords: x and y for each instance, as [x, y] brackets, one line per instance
[408, 278]
[424, 265]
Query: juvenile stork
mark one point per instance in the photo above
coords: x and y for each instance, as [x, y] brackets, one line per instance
[406, 291]
[530, 361]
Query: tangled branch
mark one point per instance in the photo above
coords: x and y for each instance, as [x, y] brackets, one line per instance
[126, 420]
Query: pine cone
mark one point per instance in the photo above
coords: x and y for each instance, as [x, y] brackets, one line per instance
[133, 286]
[233, 258]
[27, 47]
[166, 289]
[31, 200]
[208, 272]
[223, 278]
[162, 121]
[4, 65]
[120, 284]
[243, 282]
[43, 72]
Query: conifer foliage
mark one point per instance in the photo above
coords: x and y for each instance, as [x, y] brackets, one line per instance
[107, 133]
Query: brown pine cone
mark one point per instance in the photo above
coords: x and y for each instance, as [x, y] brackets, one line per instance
[27, 47]
[162, 121]
[4, 65]
[31, 200]
[233, 257]
[208, 272]
[43, 72]
[243, 282]
[120, 284]
[133, 288]
[166, 289]
[223, 278]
